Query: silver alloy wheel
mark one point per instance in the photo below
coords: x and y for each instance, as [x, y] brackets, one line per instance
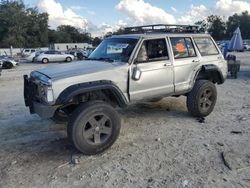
[206, 100]
[98, 129]
[45, 60]
[68, 59]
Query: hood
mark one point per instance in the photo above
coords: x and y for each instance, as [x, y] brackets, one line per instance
[76, 68]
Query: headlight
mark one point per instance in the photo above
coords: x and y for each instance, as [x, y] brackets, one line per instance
[46, 93]
[37, 76]
[44, 83]
[49, 95]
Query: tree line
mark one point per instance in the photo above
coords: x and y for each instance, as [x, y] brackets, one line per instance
[27, 27]
[222, 29]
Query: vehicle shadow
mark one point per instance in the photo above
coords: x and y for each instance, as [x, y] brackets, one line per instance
[48, 142]
[34, 140]
[167, 107]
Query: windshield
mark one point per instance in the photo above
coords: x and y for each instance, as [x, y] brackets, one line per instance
[114, 49]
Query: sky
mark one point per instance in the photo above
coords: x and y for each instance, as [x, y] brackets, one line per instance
[99, 17]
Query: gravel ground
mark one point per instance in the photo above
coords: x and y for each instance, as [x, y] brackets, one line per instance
[160, 145]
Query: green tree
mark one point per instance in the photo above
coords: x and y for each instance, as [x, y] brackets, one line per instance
[239, 20]
[68, 34]
[12, 17]
[217, 27]
[96, 41]
[36, 28]
[22, 27]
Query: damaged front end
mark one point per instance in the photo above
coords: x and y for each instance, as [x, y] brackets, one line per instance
[38, 95]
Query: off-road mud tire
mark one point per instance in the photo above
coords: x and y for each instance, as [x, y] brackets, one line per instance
[203, 92]
[79, 127]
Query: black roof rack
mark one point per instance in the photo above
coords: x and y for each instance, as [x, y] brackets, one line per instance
[163, 28]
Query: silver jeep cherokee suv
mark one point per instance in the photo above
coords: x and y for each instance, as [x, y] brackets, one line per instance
[148, 64]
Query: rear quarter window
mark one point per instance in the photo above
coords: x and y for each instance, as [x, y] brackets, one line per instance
[182, 47]
[206, 46]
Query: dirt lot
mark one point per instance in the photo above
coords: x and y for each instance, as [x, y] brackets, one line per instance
[160, 145]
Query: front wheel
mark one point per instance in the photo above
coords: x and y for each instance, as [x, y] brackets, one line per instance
[202, 98]
[94, 127]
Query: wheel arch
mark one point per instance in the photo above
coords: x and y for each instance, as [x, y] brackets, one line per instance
[104, 87]
[69, 57]
[210, 72]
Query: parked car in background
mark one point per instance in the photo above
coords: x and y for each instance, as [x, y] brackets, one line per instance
[54, 56]
[79, 54]
[27, 51]
[246, 46]
[8, 62]
[0, 67]
[32, 56]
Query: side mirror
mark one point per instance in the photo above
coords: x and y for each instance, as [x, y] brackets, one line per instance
[136, 74]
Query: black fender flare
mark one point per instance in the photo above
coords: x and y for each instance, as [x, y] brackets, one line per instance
[82, 88]
[212, 70]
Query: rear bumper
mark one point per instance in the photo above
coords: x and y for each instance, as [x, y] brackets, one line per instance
[35, 107]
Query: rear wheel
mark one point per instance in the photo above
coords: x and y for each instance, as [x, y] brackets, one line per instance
[94, 127]
[68, 59]
[45, 60]
[201, 100]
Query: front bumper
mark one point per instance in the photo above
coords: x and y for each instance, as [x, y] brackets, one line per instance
[35, 106]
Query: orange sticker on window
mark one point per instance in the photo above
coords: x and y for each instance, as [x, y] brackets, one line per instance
[180, 47]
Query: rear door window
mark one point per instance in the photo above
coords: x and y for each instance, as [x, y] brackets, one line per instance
[182, 47]
[206, 46]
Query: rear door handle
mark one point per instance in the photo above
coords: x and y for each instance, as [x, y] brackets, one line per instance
[167, 65]
[196, 61]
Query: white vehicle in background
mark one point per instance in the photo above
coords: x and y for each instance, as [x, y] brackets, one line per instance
[54, 56]
[32, 56]
[27, 51]
[246, 46]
